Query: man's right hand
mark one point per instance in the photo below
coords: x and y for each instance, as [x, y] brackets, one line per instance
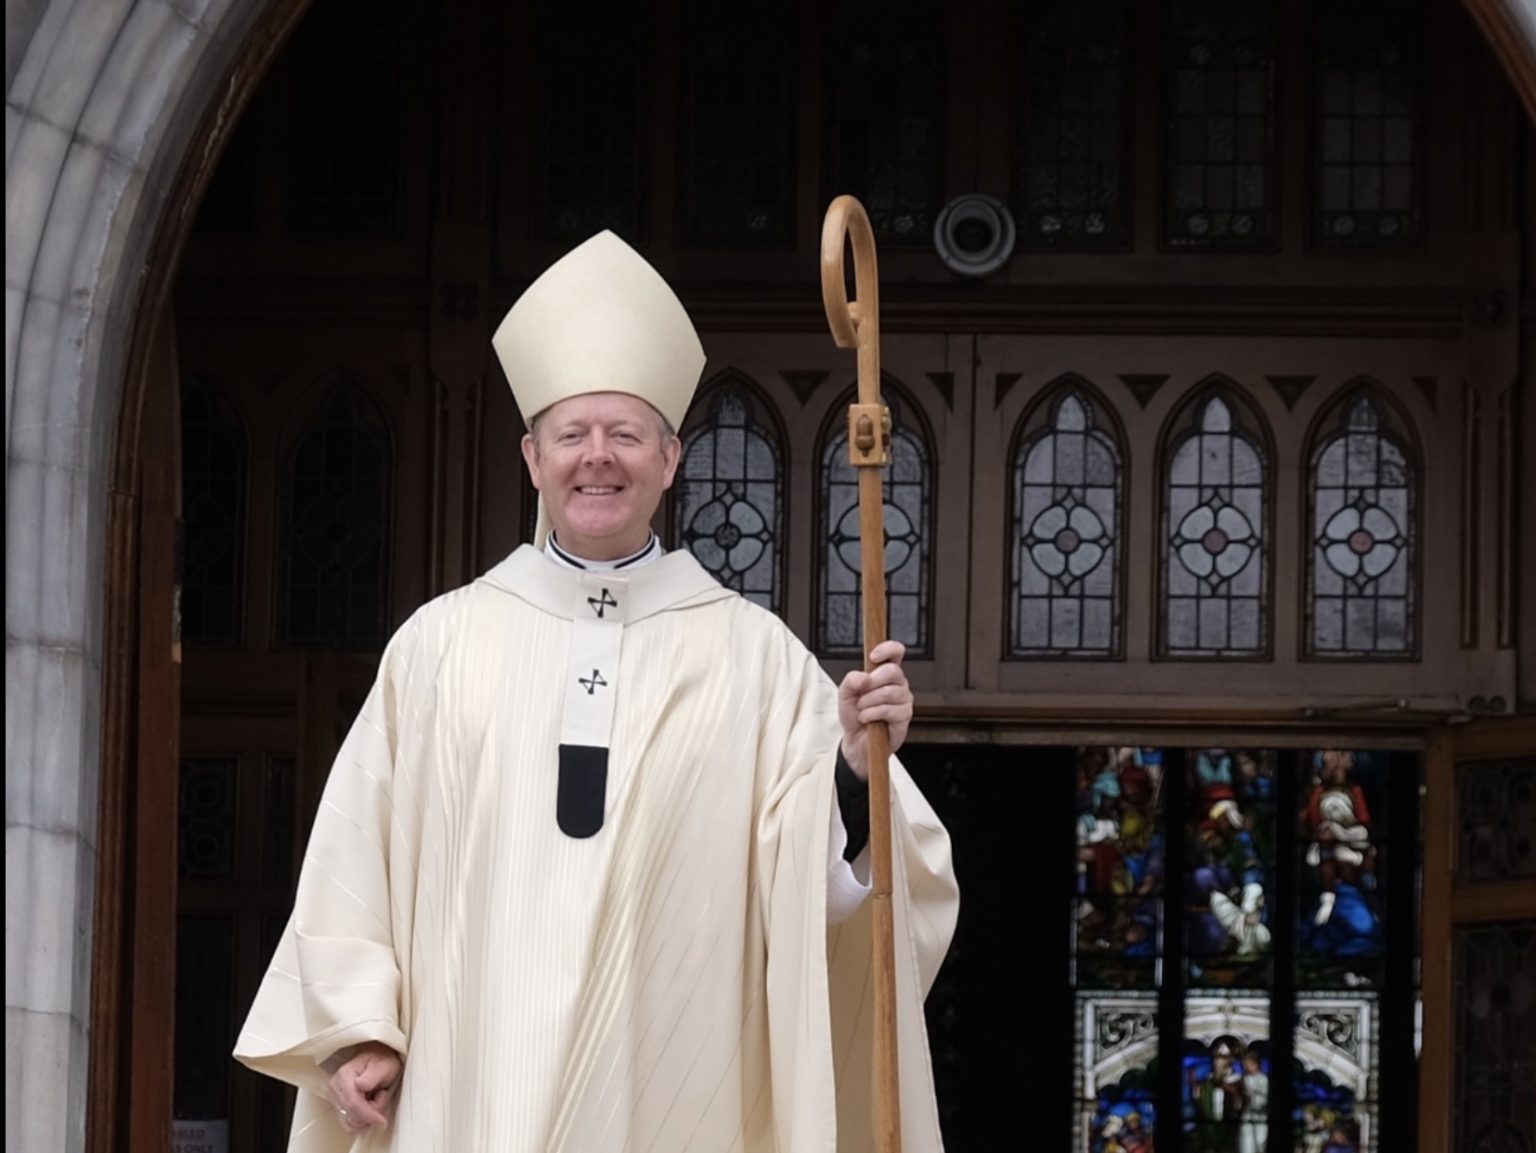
[363, 1087]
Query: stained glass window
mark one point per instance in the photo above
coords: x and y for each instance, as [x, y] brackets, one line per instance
[1495, 991]
[1496, 821]
[1366, 160]
[206, 816]
[887, 102]
[1067, 523]
[1074, 177]
[738, 174]
[908, 536]
[1226, 1070]
[590, 54]
[1249, 954]
[1231, 861]
[346, 173]
[1220, 167]
[1117, 942]
[729, 509]
[1362, 527]
[334, 542]
[214, 460]
[1215, 572]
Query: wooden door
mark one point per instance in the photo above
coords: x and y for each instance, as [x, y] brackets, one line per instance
[1478, 1064]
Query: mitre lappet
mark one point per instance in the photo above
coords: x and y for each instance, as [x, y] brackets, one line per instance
[600, 319]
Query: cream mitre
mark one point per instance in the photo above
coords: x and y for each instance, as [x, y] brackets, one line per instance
[600, 319]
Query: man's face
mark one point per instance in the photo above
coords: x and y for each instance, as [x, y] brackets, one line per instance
[601, 465]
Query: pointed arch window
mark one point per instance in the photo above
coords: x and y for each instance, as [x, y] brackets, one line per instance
[215, 459]
[909, 485]
[1362, 525]
[1067, 524]
[729, 509]
[334, 536]
[1215, 526]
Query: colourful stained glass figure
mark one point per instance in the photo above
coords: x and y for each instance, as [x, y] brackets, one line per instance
[1231, 846]
[1117, 1075]
[1341, 834]
[1334, 1074]
[1225, 1075]
[1120, 855]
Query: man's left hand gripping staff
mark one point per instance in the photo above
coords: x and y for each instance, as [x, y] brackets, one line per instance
[362, 1087]
[880, 695]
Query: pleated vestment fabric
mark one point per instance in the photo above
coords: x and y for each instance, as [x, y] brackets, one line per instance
[667, 984]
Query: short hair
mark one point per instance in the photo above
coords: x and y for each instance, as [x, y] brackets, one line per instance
[664, 427]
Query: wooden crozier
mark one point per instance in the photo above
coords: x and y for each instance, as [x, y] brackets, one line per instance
[857, 324]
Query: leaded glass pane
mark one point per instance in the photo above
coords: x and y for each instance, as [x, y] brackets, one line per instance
[1073, 177]
[1225, 1086]
[346, 173]
[1220, 145]
[1362, 528]
[1215, 527]
[588, 178]
[205, 962]
[887, 102]
[908, 485]
[1495, 983]
[1335, 1073]
[206, 819]
[1116, 1074]
[1068, 498]
[1230, 841]
[1366, 92]
[738, 176]
[1496, 821]
[1117, 933]
[730, 497]
[335, 537]
[213, 459]
[1341, 841]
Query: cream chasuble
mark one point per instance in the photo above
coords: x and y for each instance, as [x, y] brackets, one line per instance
[663, 982]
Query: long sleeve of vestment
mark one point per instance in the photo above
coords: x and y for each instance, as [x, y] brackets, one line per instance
[335, 980]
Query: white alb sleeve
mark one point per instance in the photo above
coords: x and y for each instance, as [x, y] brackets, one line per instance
[848, 883]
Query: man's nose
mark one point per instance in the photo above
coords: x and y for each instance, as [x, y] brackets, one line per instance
[598, 448]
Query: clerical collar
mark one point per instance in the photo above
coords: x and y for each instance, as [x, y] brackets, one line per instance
[646, 555]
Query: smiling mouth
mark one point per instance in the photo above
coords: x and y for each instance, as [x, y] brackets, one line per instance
[597, 489]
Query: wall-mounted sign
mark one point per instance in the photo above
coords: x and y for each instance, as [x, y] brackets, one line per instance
[200, 1136]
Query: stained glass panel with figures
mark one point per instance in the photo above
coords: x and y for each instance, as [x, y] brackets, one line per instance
[908, 485]
[1230, 847]
[334, 542]
[1342, 838]
[1215, 571]
[1226, 1074]
[738, 170]
[1117, 1074]
[1362, 528]
[729, 509]
[1221, 124]
[346, 175]
[1074, 177]
[1366, 150]
[1118, 915]
[1067, 521]
[214, 461]
[886, 95]
[1335, 1072]
[588, 177]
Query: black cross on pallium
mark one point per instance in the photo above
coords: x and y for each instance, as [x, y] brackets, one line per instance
[594, 684]
[599, 604]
